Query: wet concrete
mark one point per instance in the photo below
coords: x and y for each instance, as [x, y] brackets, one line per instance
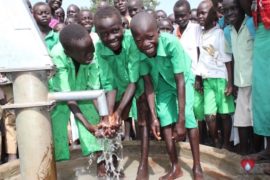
[216, 163]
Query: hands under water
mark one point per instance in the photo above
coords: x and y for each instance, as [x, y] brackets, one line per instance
[109, 126]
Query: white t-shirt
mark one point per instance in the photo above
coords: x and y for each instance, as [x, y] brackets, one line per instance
[190, 40]
[212, 54]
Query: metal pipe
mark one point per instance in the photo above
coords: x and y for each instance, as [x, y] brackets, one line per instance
[33, 126]
[83, 95]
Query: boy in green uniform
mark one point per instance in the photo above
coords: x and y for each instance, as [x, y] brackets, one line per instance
[74, 72]
[42, 15]
[164, 59]
[119, 74]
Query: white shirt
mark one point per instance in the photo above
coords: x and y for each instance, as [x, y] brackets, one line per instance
[212, 54]
[190, 40]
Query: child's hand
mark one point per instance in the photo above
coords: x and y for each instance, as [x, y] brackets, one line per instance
[179, 131]
[155, 127]
[198, 84]
[229, 89]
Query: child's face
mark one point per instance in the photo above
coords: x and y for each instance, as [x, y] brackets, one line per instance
[160, 15]
[70, 20]
[55, 4]
[220, 10]
[133, 8]
[110, 31]
[42, 15]
[82, 51]
[202, 13]
[146, 39]
[193, 16]
[165, 26]
[182, 15]
[231, 11]
[60, 14]
[72, 11]
[121, 5]
[86, 19]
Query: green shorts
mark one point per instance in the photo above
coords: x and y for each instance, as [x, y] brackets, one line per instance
[167, 104]
[198, 105]
[215, 100]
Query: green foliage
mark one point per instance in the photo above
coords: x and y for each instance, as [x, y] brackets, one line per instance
[147, 3]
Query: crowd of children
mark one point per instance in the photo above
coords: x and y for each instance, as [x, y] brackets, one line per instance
[190, 76]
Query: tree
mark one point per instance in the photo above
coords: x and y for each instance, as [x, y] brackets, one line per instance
[147, 3]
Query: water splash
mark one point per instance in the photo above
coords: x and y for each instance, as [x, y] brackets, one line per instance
[112, 155]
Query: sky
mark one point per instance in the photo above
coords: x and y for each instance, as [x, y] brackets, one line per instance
[166, 5]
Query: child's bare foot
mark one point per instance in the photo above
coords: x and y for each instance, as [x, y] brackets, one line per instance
[197, 172]
[142, 173]
[174, 173]
[101, 169]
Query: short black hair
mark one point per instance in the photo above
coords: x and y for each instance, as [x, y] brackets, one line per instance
[160, 10]
[71, 34]
[39, 4]
[142, 19]
[105, 12]
[180, 3]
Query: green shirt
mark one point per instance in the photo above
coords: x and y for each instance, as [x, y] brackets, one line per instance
[170, 60]
[51, 39]
[64, 78]
[117, 71]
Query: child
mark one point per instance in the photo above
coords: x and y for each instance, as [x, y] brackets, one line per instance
[160, 14]
[165, 25]
[73, 10]
[121, 5]
[134, 7]
[242, 53]
[169, 67]
[172, 18]
[42, 15]
[193, 16]
[215, 68]
[76, 48]
[165, 60]
[54, 5]
[86, 19]
[119, 74]
[189, 35]
[60, 15]
[72, 20]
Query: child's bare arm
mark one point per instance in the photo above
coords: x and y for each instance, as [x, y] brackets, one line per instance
[179, 129]
[229, 88]
[73, 106]
[130, 90]
[155, 126]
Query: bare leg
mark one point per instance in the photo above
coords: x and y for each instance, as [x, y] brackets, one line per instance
[227, 127]
[142, 107]
[212, 125]
[244, 138]
[202, 131]
[175, 170]
[128, 122]
[142, 173]
[193, 135]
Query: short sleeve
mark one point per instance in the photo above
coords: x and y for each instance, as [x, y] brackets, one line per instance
[223, 55]
[93, 81]
[105, 73]
[177, 54]
[144, 68]
[60, 81]
[134, 63]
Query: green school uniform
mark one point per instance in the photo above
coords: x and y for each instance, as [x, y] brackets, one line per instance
[51, 39]
[117, 71]
[63, 80]
[170, 60]
[88, 79]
